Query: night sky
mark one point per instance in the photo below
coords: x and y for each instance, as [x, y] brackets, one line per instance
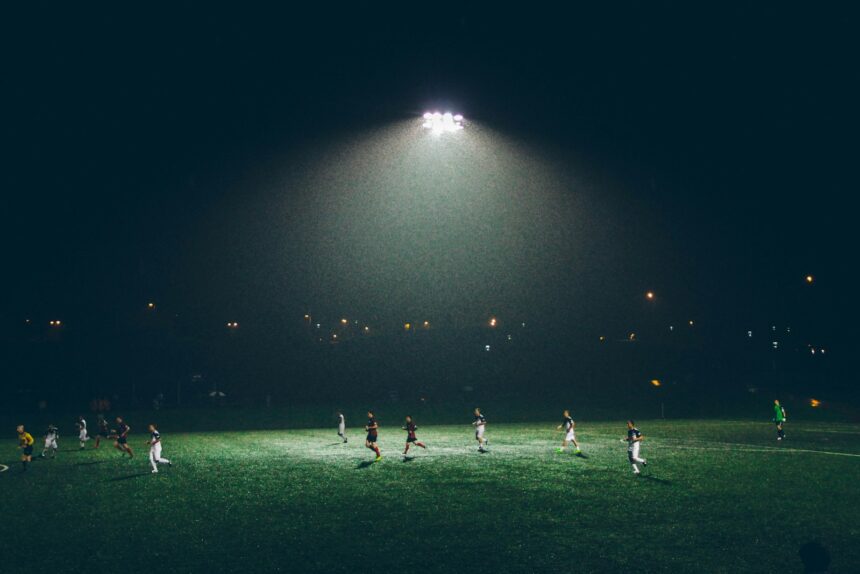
[258, 163]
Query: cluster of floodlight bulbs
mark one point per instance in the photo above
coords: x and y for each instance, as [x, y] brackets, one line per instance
[439, 122]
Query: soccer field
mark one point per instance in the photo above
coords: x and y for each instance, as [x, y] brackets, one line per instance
[717, 496]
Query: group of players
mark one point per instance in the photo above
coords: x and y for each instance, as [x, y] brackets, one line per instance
[634, 437]
[118, 435]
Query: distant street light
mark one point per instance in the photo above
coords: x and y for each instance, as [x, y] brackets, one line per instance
[492, 322]
[649, 295]
[232, 325]
[55, 323]
[344, 321]
[150, 305]
[810, 279]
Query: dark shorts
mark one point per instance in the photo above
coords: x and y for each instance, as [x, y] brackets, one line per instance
[103, 434]
[412, 439]
[122, 439]
[371, 438]
[28, 450]
[778, 423]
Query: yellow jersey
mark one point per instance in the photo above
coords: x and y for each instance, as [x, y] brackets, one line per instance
[25, 439]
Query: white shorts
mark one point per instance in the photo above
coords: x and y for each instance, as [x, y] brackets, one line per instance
[479, 432]
[155, 451]
[571, 435]
[341, 429]
[633, 451]
[83, 434]
[51, 443]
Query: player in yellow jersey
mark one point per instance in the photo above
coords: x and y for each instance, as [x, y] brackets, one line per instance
[25, 443]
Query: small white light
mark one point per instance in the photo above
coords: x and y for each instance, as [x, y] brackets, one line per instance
[427, 115]
[458, 118]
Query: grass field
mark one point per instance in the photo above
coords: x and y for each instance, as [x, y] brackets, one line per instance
[717, 496]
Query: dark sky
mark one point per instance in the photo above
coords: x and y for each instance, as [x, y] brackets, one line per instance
[182, 155]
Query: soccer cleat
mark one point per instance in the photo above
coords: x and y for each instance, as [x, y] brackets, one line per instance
[378, 458]
[578, 451]
[559, 450]
[644, 462]
[154, 471]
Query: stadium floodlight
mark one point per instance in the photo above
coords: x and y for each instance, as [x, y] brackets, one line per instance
[438, 122]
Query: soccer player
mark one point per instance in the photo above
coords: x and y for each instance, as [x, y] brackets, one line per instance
[25, 443]
[154, 443]
[410, 429]
[104, 430]
[372, 428]
[479, 424]
[779, 418]
[82, 431]
[51, 436]
[569, 427]
[121, 442]
[341, 426]
[634, 440]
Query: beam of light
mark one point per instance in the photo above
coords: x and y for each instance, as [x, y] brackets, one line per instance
[656, 382]
[439, 123]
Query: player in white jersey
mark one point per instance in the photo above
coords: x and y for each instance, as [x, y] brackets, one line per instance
[341, 426]
[480, 423]
[634, 440]
[569, 427]
[82, 431]
[154, 443]
[51, 436]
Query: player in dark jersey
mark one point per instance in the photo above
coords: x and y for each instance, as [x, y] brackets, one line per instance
[104, 430]
[568, 425]
[372, 428]
[480, 424]
[634, 441]
[410, 429]
[25, 443]
[121, 437]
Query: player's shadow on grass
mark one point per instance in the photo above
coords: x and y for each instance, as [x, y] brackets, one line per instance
[129, 476]
[336, 443]
[90, 463]
[408, 458]
[365, 464]
[658, 480]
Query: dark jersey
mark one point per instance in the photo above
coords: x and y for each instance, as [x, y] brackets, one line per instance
[410, 428]
[155, 437]
[632, 434]
[480, 420]
[371, 427]
[52, 432]
[567, 423]
[122, 430]
[103, 426]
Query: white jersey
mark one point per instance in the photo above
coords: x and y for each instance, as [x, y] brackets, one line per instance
[341, 423]
[568, 426]
[82, 428]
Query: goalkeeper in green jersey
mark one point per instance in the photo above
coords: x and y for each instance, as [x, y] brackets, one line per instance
[779, 419]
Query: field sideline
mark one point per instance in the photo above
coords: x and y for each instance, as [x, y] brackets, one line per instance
[717, 496]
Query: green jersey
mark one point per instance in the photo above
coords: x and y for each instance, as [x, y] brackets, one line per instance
[778, 413]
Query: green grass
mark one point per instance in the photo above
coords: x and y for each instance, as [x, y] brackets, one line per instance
[718, 496]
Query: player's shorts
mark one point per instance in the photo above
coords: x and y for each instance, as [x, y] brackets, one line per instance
[412, 439]
[51, 443]
[372, 437]
[479, 432]
[155, 450]
[104, 433]
[82, 435]
[570, 436]
[122, 439]
[28, 450]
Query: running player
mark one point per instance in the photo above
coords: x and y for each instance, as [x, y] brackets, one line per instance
[479, 424]
[82, 431]
[779, 419]
[341, 426]
[104, 430]
[51, 436]
[121, 442]
[154, 443]
[410, 429]
[569, 427]
[634, 440]
[372, 428]
[25, 443]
